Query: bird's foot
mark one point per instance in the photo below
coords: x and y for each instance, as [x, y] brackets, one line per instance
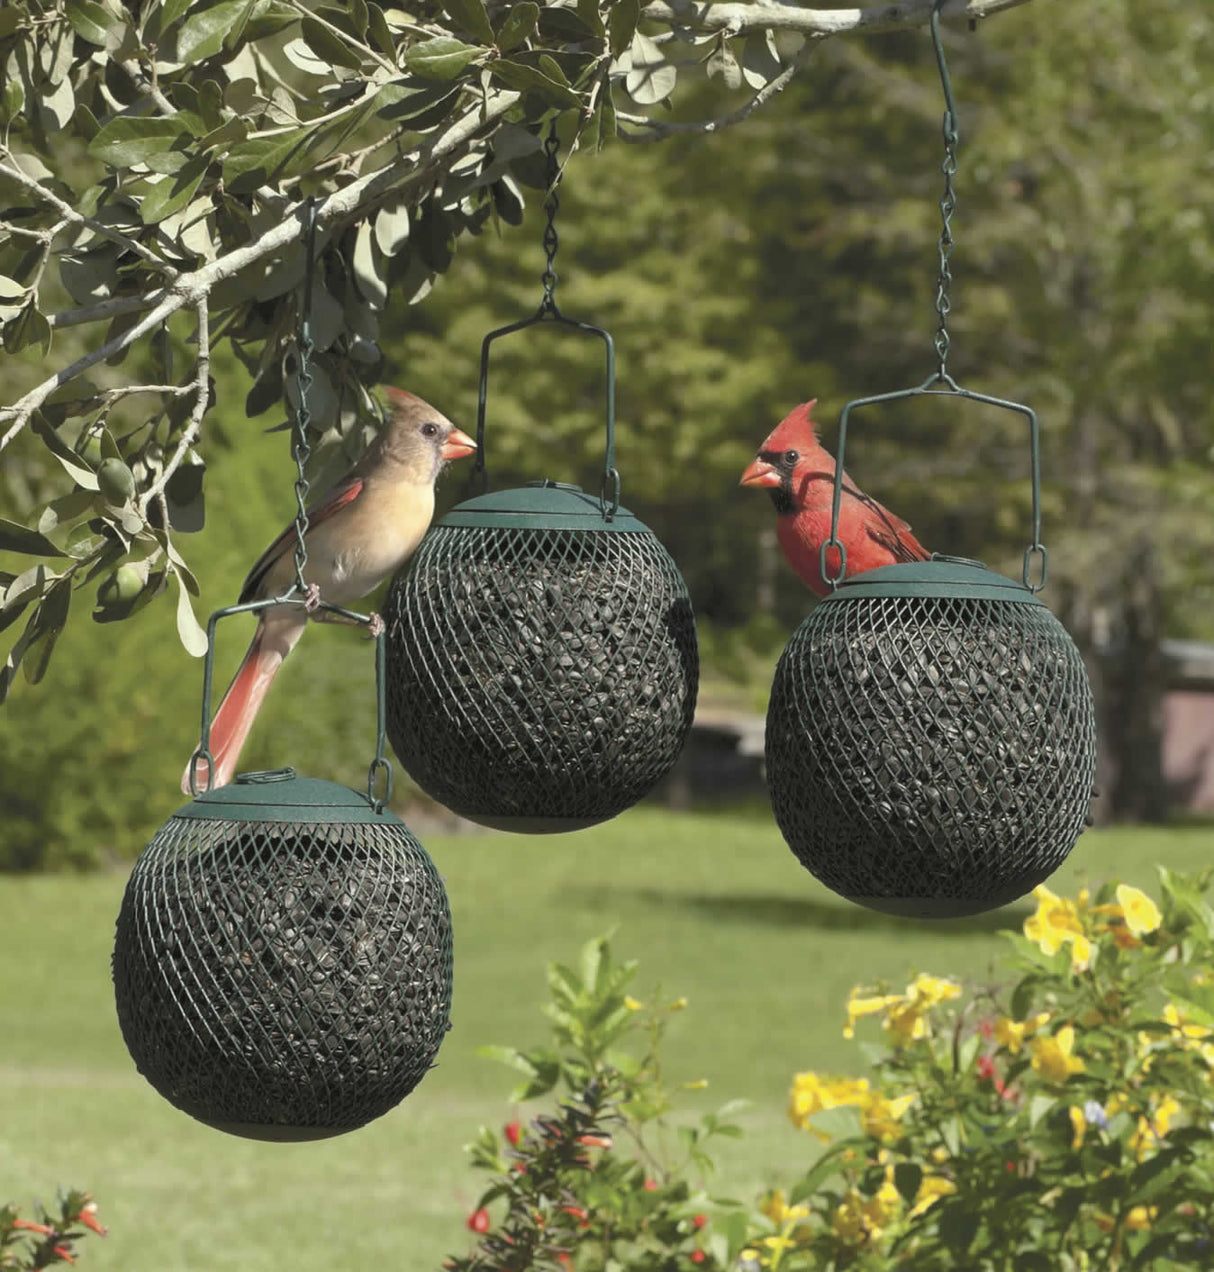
[312, 598]
[375, 627]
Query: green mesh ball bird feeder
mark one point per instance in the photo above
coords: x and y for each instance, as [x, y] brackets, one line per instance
[282, 961]
[930, 742]
[542, 650]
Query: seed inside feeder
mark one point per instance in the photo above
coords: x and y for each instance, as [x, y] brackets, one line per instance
[930, 755]
[283, 981]
[540, 678]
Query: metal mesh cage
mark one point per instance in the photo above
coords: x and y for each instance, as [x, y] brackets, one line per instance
[930, 756]
[539, 679]
[283, 980]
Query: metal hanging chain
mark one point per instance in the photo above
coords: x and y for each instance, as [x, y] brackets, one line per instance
[552, 205]
[303, 417]
[948, 201]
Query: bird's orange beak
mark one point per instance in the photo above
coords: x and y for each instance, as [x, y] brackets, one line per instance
[760, 473]
[457, 445]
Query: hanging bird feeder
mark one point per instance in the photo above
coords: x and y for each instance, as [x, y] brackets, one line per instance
[541, 645]
[282, 962]
[931, 742]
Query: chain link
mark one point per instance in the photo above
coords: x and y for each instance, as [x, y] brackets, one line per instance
[304, 346]
[948, 200]
[552, 205]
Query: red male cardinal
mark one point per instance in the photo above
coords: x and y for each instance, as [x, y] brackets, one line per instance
[800, 475]
[359, 532]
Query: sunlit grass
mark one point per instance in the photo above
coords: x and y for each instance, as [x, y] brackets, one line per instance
[715, 908]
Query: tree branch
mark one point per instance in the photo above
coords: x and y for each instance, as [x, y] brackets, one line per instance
[659, 129]
[202, 391]
[69, 214]
[738, 19]
[415, 167]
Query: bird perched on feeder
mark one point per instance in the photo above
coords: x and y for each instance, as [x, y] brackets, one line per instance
[360, 531]
[800, 476]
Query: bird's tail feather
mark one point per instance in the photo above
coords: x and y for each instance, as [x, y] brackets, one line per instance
[238, 710]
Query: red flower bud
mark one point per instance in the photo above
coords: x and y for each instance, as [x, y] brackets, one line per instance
[564, 1260]
[513, 1132]
[65, 1254]
[986, 1067]
[595, 1141]
[28, 1226]
[697, 1256]
[651, 1185]
[699, 1220]
[88, 1217]
[478, 1220]
[576, 1211]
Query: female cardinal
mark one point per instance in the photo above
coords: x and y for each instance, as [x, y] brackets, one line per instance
[359, 532]
[801, 477]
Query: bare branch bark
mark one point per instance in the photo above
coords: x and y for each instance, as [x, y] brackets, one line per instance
[202, 391]
[737, 19]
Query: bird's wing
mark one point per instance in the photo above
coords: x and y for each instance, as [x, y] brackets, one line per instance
[346, 490]
[885, 528]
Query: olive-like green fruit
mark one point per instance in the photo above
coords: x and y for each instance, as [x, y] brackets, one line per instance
[123, 585]
[90, 449]
[116, 480]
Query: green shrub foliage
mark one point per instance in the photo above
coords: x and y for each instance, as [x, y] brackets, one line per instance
[1059, 1120]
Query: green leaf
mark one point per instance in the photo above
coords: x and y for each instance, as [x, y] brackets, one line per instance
[193, 637]
[24, 589]
[327, 46]
[10, 19]
[131, 139]
[760, 60]
[29, 327]
[392, 227]
[650, 78]
[519, 25]
[89, 20]
[48, 621]
[77, 469]
[441, 58]
[907, 1178]
[360, 17]
[202, 34]
[16, 654]
[525, 78]
[171, 194]
[260, 160]
[370, 271]
[470, 16]
[15, 538]
[379, 31]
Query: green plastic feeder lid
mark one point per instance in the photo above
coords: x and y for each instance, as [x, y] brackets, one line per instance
[941, 576]
[542, 505]
[281, 795]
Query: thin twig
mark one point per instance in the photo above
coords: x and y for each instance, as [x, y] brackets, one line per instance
[659, 129]
[105, 310]
[202, 391]
[69, 214]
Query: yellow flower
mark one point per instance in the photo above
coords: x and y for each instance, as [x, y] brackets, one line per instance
[811, 1093]
[1056, 923]
[697, 1084]
[1052, 1056]
[857, 1218]
[881, 1115]
[932, 1188]
[779, 1212]
[858, 1006]
[1079, 1124]
[1141, 914]
[632, 1004]
[1011, 1034]
[1137, 1219]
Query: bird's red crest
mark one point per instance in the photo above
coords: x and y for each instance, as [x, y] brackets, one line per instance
[796, 431]
[401, 397]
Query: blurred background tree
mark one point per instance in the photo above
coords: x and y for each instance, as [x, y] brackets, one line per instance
[742, 273]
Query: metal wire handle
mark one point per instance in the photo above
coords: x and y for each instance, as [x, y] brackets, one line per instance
[297, 593]
[940, 383]
[549, 312]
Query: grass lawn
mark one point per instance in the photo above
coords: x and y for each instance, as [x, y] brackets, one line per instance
[715, 907]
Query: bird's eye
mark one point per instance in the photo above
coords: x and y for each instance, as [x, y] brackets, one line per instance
[791, 457]
[429, 430]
